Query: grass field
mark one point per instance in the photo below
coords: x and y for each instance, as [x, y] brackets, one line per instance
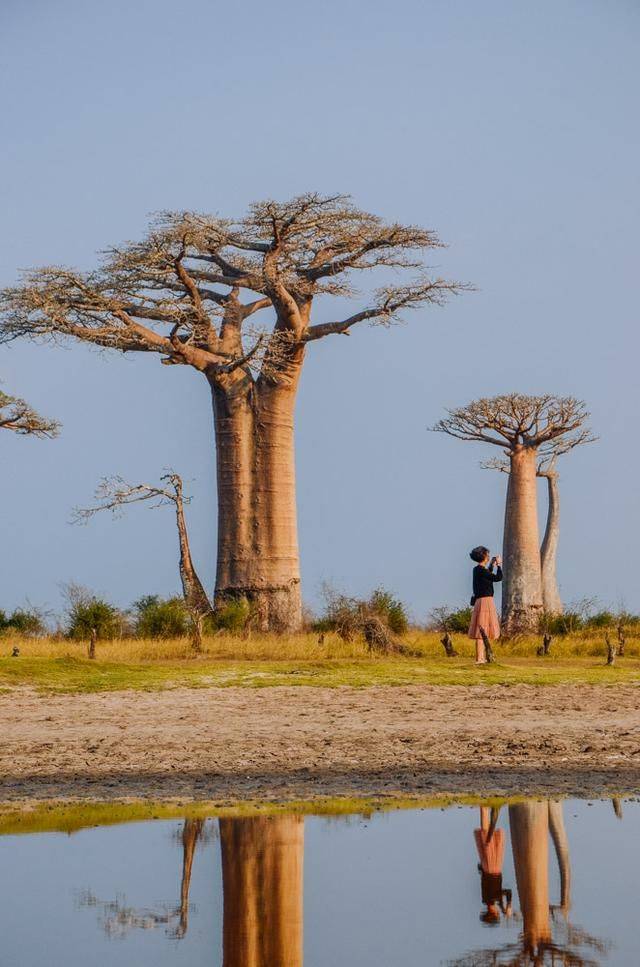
[263, 660]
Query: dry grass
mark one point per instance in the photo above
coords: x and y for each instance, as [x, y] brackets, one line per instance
[304, 647]
[52, 665]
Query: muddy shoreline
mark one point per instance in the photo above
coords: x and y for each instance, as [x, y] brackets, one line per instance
[294, 743]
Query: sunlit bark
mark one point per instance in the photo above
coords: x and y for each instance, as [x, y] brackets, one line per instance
[522, 583]
[551, 600]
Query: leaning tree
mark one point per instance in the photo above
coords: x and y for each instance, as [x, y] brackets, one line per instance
[190, 292]
[546, 469]
[114, 493]
[17, 415]
[528, 429]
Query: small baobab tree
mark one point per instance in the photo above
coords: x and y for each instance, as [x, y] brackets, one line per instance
[528, 429]
[114, 493]
[547, 470]
[189, 292]
[17, 415]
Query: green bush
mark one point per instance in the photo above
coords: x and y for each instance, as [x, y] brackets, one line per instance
[444, 618]
[561, 624]
[157, 617]
[390, 609]
[232, 616]
[346, 615]
[86, 611]
[23, 621]
[603, 619]
[460, 620]
[27, 621]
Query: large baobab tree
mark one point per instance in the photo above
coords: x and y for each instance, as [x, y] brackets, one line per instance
[190, 292]
[114, 493]
[528, 429]
[17, 415]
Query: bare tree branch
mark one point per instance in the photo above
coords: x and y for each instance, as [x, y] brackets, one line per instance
[203, 273]
[17, 415]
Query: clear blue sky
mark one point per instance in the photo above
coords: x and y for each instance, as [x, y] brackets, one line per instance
[510, 128]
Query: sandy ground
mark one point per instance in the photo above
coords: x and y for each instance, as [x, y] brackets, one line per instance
[301, 743]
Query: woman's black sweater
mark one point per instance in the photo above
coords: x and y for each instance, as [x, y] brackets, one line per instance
[483, 581]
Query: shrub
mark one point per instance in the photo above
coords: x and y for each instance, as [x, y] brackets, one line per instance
[561, 624]
[390, 609]
[603, 619]
[232, 616]
[446, 619]
[86, 611]
[573, 619]
[347, 616]
[157, 617]
[28, 622]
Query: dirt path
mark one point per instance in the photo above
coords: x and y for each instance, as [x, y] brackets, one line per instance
[286, 743]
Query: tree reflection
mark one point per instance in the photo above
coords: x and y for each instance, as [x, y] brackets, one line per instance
[118, 917]
[262, 862]
[191, 832]
[548, 937]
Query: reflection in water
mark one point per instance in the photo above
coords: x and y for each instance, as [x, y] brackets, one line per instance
[262, 886]
[118, 918]
[261, 860]
[490, 845]
[262, 868]
[531, 824]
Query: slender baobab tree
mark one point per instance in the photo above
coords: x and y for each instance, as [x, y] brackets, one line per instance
[546, 469]
[189, 291]
[551, 600]
[114, 493]
[528, 429]
[17, 415]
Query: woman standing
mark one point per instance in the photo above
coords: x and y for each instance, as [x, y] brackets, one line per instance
[484, 616]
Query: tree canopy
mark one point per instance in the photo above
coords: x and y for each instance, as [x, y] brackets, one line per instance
[549, 424]
[188, 289]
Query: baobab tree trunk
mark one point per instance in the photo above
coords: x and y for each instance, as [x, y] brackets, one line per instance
[262, 863]
[551, 600]
[529, 824]
[257, 524]
[522, 585]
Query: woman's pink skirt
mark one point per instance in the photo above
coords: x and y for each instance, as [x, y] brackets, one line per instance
[484, 615]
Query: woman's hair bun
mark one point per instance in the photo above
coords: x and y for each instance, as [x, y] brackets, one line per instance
[479, 553]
